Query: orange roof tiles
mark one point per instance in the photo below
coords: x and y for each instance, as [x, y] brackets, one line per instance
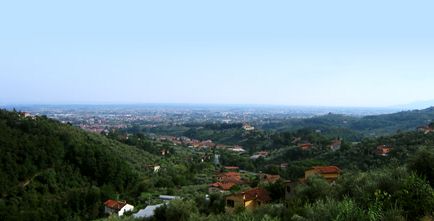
[223, 186]
[114, 204]
[326, 169]
[258, 194]
[230, 177]
[305, 146]
[383, 149]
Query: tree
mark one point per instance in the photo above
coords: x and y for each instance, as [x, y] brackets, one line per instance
[416, 197]
[180, 210]
[423, 164]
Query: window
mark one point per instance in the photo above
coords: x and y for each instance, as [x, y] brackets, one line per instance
[230, 203]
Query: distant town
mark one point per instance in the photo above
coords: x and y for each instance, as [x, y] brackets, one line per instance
[97, 118]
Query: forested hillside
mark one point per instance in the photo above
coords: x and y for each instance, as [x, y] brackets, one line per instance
[355, 128]
[51, 171]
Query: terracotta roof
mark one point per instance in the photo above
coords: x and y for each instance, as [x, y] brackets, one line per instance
[258, 194]
[223, 186]
[305, 146]
[114, 204]
[383, 149]
[230, 177]
[326, 169]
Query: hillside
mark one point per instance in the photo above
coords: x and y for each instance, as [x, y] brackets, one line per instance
[390, 123]
[355, 128]
[53, 171]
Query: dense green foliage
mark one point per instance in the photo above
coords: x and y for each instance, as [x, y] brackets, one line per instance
[355, 128]
[383, 194]
[51, 171]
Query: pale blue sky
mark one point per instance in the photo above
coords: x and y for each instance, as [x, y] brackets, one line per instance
[326, 53]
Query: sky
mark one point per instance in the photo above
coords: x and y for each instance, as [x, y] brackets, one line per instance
[304, 53]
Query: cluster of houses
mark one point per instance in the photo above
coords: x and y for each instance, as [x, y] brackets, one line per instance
[381, 150]
[199, 144]
[249, 199]
[231, 176]
[306, 145]
[119, 207]
[187, 141]
[255, 197]
[226, 180]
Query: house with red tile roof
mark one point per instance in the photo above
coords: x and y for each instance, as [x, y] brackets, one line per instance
[220, 187]
[383, 150]
[305, 146]
[249, 199]
[229, 177]
[330, 173]
[117, 207]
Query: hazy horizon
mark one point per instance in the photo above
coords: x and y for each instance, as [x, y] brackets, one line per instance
[412, 105]
[326, 54]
